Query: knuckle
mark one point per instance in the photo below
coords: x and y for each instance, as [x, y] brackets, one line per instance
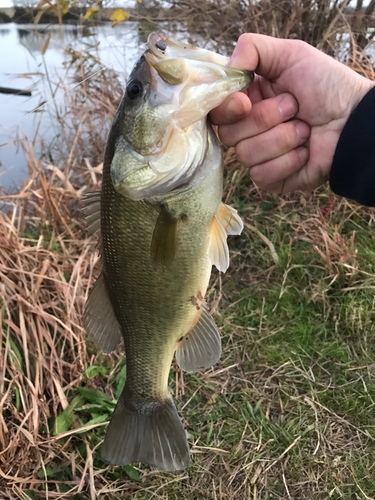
[299, 45]
[267, 186]
[224, 135]
[267, 173]
[274, 171]
[245, 38]
[243, 152]
[257, 175]
[287, 137]
[260, 117]
[293, 159]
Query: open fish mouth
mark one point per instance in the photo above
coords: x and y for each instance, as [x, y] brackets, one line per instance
[200, 77]
[164, 138]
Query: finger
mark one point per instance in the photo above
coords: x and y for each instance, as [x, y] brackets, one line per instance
[254, 90]
[265, 55]
[234, 108]
[271, 174]
[306, 179]
[265, 115]
[273, 143]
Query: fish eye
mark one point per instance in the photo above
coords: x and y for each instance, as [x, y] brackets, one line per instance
[134, 89]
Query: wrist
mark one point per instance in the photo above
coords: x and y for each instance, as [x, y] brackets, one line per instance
[352, 174]
[364, 85]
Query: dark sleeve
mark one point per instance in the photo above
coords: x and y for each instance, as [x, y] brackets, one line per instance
[353, 168]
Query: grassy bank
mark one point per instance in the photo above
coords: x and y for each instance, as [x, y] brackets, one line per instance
[288, 412]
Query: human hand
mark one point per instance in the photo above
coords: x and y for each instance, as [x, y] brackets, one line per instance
[286, 125]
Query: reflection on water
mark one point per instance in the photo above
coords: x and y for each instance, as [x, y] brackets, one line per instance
[4, 32]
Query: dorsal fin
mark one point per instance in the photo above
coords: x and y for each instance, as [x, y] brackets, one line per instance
[99, 318]
[91, 210]
[225, 222]
[201, 347]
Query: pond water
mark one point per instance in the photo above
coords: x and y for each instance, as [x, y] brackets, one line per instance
[23, 66]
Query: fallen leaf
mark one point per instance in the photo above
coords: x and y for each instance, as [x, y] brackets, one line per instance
[117, 16]
[90, 12]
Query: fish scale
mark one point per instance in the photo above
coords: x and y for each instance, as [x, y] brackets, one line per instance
[161, 310]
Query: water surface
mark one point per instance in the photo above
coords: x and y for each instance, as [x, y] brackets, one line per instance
[23, 66]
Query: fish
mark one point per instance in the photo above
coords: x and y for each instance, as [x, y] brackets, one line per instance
[161, 227]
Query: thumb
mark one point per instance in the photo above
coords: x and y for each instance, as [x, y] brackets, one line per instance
[265, 55]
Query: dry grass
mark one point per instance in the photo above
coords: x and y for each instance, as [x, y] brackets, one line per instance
[287, 413]
[339, 28]
[46, 269]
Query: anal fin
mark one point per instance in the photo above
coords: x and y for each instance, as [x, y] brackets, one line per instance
[201, 347]
[99, 318]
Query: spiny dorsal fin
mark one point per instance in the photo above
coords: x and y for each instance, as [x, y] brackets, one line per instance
[163, 245]
[225, 222]
[99, 318]
[201, 347]
[91, 210]
[230, 220]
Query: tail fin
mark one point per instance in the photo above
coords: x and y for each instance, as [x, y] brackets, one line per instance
[151, 433]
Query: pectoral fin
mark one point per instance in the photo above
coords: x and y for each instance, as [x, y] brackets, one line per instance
[99, 318]
[230, 220]
[201, 347]
[225, 222]
[218, 251]
[163, 245]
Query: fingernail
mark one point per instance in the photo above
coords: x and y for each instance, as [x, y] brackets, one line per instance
[303, 130]
[303, 154]
[235, 108]
[288, 107]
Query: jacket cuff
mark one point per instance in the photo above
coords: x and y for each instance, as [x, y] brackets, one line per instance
[353, 169]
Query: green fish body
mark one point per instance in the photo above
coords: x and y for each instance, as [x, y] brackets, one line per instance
[158, 239]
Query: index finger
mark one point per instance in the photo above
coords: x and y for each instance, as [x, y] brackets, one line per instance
[234, 108]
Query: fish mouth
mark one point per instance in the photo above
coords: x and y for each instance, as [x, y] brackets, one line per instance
[164, 47]
[199, 77]
[185, 84]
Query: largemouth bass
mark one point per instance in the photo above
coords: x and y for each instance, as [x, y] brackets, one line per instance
[161, 227]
